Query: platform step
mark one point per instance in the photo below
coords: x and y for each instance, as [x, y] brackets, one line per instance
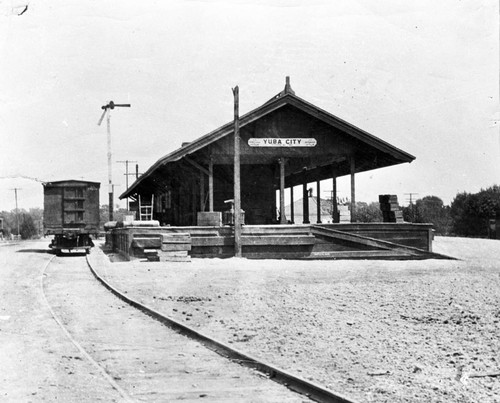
[177, 256]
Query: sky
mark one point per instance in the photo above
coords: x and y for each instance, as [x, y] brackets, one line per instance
[421, 75]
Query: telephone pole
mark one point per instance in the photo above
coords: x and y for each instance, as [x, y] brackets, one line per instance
[17, 210]
[411, 198]
[126, 162]
[412, 206]
[237, 191]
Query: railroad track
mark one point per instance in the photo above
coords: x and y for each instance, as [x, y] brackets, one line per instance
[160, 360]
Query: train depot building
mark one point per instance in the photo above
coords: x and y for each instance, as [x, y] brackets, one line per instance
[285, 143]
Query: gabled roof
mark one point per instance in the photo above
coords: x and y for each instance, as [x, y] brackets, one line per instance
[285, 97]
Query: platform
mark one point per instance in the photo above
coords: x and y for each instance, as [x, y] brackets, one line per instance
[307, 241]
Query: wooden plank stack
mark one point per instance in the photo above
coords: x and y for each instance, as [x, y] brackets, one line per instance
[389, 206]
[175, 247]
[151, 255]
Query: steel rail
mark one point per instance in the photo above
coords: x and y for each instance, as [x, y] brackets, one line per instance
[293, 382]
[126, 397]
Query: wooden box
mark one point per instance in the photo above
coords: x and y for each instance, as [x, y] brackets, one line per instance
[209, 219]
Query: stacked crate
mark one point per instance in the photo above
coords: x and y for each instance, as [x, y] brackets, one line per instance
[389, 206]
[175, 247]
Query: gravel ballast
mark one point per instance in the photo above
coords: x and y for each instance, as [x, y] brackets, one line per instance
[375, 331]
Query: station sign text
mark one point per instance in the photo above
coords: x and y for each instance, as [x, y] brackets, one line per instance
[282, 142]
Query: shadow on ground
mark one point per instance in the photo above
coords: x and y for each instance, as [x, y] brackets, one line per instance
[34, 251]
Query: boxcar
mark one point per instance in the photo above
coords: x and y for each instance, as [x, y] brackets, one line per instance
[71, 214]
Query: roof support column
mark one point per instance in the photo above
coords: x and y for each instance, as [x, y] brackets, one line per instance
[318, 202]
[194, 206]
[202, 191]
[211, 185]
[335, 207]
[305, 199]
[237, 186]
[292, 213]
[353, 190]
[282, 162]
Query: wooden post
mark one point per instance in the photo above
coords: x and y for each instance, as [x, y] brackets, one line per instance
[202, 191]
[335, 207]
[292, 212]
[353, 190]
[194, 206]
[211, 185]
[305, 199]
[282, 190]
[237, 189]
[318, 202]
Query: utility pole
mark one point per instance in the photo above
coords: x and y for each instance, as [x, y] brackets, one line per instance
[411, 199]
[137, 171]
[126, 162]
[17, 210]
[412, 206]
[107, 109]
[237, 191]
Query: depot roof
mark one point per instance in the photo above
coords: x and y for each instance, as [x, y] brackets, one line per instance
[374, 152]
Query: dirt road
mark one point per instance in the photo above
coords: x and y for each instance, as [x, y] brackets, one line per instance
[80, 343]
[38, 362]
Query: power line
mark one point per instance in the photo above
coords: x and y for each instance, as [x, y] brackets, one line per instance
[411, 194]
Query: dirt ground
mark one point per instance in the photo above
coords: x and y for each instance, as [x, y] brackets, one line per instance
[375, 331]
[38, 363]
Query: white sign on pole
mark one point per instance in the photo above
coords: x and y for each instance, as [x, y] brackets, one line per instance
[282, 142]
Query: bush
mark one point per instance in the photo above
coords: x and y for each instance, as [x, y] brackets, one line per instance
[470, 213]
[27, 227]
[368, 212]
[430, 209]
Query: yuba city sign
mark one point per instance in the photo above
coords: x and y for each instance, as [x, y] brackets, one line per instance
[282, 142]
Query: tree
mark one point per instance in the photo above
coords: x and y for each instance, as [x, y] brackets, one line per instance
[409, 213]
[7, 225]
[429, 209]
[368, 212]
[27, 227]
[27, 219]
[10, 221]
[470, 213]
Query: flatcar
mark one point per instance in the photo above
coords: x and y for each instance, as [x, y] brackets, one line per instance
[71, 214]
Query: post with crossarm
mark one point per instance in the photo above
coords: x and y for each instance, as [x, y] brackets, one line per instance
[107, 109]
[126, 162]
